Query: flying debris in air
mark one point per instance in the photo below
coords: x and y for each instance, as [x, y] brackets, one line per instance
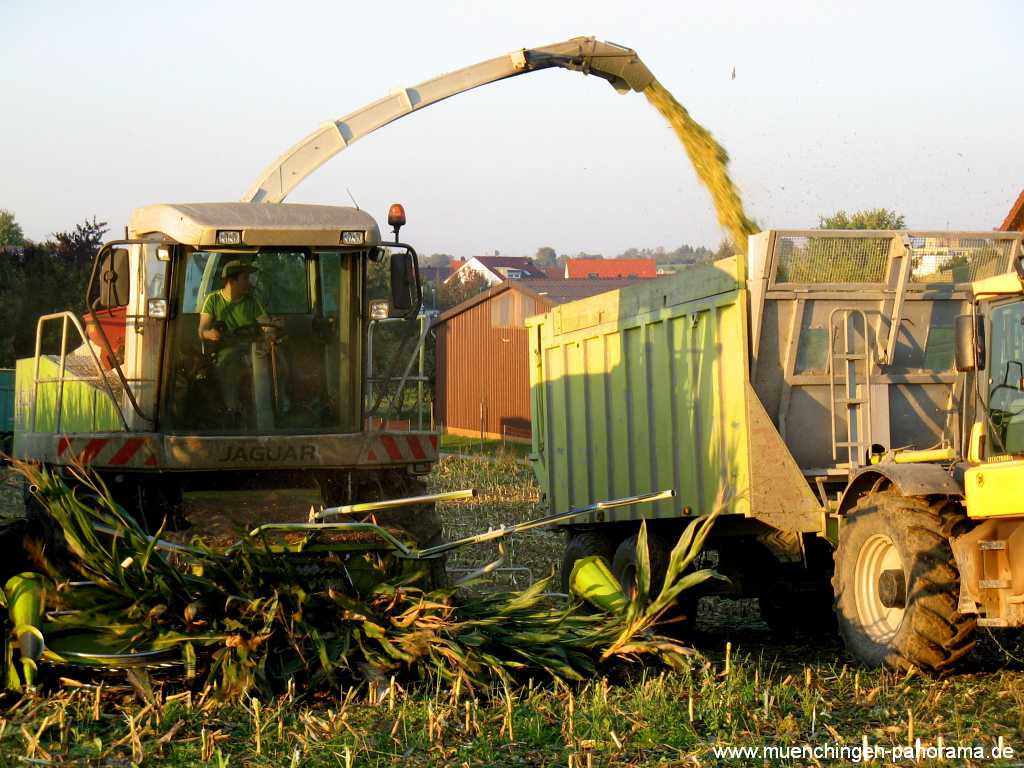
[734, 73]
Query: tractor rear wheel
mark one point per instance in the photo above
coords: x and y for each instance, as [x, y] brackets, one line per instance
[584, 543]
[897, 586]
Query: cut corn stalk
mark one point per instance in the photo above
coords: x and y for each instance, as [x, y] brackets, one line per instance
[319, 611]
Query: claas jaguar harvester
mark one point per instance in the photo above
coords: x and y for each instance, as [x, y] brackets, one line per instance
[275, 392]
[231, 344]
[854, 403]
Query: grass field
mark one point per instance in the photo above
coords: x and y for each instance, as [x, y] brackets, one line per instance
[746, 688]
[473, 446]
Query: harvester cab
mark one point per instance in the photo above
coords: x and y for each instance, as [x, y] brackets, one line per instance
[232, 339]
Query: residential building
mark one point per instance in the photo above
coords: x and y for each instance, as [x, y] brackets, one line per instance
[496, 269]
[1014, 221]
[607, 269]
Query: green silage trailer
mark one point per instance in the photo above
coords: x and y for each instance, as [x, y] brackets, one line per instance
[820, 379]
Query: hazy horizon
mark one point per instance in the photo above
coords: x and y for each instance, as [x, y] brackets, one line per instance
[910, 106]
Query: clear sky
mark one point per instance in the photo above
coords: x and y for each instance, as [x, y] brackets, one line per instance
[916, 106]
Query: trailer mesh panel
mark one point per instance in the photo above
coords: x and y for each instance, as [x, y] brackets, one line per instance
[831, 259]
[953, 259]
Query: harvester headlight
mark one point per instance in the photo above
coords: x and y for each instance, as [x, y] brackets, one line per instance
[379, 309]
[156, 308]
[229, 237]
[353, 237]
[163, 253]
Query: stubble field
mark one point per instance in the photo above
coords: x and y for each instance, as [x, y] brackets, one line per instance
[744, 689]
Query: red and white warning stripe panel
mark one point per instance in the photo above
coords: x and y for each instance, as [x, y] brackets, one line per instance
[108, 451]
[401, 448]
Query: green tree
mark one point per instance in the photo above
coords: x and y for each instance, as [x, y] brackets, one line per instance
[454, 292]
[726, 248]
[79, 246]
[869, 218]
[10, 230]
[437, 260]
[546, 257]
[42, 278]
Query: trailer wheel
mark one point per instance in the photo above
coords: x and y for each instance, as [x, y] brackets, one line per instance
[584, 544]
[624, 563]
[789, 612]
[897, 587]
[796, 598]
[681, 618]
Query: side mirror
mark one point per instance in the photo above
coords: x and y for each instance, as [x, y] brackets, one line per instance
[403, 282]
[109, 284]
[970, 343]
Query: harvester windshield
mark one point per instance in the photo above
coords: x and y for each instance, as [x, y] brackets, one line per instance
[261, 341]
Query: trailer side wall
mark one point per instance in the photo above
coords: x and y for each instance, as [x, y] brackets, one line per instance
[646, 388]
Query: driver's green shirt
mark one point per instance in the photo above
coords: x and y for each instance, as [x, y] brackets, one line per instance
[236, 314]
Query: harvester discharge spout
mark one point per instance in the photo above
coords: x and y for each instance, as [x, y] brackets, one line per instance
[618, 65]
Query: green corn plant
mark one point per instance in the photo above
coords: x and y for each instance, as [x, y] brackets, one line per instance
[253, 620]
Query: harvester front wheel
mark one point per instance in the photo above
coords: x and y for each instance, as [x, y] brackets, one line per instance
[897, 586]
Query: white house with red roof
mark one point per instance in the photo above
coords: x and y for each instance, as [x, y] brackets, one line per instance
[497, 269]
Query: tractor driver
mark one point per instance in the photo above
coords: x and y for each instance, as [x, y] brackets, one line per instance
[224, 312]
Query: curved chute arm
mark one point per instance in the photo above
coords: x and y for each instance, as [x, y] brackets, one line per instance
[619, 66]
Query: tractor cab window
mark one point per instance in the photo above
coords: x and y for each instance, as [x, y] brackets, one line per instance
[256, 343]
[1006, 379]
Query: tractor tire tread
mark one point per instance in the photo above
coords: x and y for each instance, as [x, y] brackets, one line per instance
[934, 636]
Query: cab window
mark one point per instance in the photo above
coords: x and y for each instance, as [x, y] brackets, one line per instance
[1006, 379]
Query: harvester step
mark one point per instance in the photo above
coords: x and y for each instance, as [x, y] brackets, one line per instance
[850, 356]
[992, 622]
[994, 583]
[988, 545]
[851, 401]
[852, 445]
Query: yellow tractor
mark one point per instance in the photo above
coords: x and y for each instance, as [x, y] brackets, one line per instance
[990, 349]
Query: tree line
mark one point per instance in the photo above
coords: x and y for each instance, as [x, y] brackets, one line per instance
[37, 278]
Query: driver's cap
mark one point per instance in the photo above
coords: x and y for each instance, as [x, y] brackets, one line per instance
[236, 267]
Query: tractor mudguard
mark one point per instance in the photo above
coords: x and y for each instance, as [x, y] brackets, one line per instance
[910, 480]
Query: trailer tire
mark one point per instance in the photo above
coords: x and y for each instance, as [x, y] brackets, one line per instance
[624, 563]
[582, 544]
[897, 587]
[789, 612]
[679, 619]
[796, 598]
